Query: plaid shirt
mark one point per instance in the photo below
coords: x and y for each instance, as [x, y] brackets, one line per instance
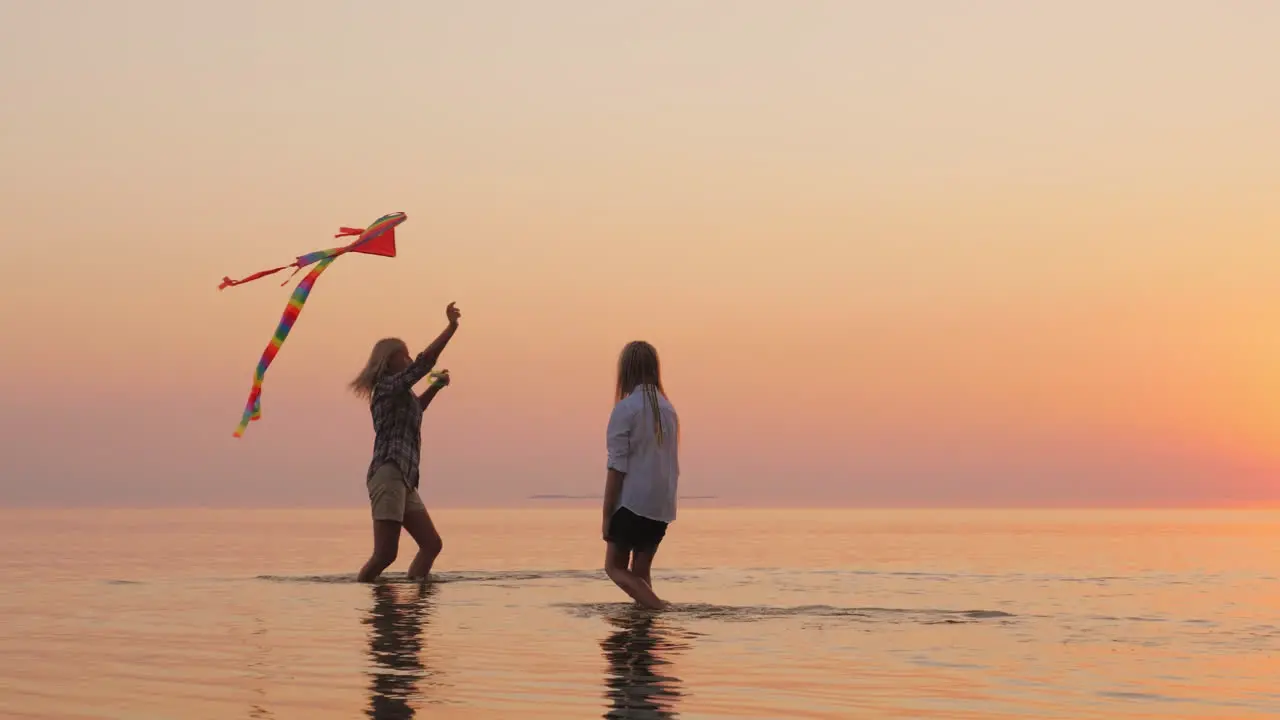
[397, 420]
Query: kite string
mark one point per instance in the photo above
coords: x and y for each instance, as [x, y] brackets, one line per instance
[253, 407]
[295, 272]
[228, 282]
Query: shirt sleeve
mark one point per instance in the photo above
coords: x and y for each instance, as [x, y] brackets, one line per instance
[618, 438]
[408, 377]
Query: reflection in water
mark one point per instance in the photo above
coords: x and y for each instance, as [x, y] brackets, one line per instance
[258, 671]
[637, 653]
[395, 646]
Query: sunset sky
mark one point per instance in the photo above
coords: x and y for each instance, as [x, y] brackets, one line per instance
[891, 253]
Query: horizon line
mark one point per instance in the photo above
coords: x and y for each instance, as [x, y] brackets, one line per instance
[575, 504]
[558, 496]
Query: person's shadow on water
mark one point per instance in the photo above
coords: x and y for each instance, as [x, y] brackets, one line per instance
[638, 681]
[396, 622]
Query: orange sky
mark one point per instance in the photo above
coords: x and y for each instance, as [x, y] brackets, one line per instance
[892, 254]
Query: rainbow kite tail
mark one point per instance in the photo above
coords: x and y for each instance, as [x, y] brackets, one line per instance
[253, 408]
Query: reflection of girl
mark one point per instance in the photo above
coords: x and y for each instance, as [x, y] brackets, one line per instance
[638, 682]
[387, 382]
[395, 646]
[643, 471]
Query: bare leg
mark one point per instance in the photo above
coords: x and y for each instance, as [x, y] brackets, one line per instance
[386, 543]
[615, 565]
[641, 564]
[419, 525]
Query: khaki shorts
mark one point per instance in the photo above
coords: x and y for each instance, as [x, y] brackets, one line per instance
[390, 497]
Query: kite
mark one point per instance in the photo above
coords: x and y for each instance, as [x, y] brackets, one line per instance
[377, 239]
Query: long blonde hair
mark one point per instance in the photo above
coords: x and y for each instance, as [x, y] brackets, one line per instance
[638, 365]
[379, 358]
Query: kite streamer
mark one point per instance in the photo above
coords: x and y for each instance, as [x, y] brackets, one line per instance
[378, 239]
[253, 408]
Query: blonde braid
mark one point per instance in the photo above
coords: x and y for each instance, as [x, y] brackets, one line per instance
[651, 396]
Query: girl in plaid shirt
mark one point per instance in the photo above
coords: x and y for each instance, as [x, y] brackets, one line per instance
[387, 383]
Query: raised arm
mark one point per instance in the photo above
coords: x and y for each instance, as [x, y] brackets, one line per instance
[422, 364]
[436, 347]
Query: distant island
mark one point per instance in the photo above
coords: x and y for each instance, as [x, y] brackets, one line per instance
[552, 496]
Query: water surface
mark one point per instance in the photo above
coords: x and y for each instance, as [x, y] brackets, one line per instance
[778, 614]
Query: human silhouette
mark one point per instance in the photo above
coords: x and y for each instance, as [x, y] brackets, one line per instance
[396, 621]
[638, 681]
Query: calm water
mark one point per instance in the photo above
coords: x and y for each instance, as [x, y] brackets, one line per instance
[791, 614]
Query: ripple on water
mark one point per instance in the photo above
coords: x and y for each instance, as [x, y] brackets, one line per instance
[756, 613]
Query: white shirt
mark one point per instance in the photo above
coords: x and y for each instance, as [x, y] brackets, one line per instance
[652, 470]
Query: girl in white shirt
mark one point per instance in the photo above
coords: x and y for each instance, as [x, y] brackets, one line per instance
[643, 438]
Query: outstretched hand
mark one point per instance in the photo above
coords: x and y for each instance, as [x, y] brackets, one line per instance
[452, 313]
[441, 379]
